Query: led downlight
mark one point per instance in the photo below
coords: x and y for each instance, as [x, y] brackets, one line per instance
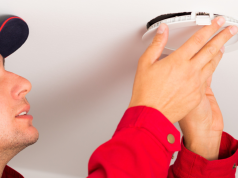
[183, 25]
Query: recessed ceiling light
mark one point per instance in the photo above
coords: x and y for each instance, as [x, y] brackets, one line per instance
[183, 25]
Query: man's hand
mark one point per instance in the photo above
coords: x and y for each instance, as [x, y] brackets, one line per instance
[203, 126]
[175, 84]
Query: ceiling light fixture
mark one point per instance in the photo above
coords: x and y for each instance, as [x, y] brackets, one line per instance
[183, 25]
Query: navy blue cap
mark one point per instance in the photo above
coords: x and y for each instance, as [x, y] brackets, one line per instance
[14, 32]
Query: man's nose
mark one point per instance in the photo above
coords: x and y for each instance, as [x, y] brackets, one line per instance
[20, 87]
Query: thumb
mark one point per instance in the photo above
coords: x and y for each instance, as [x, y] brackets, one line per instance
[209, 81]
[155, 49]
[204, 89]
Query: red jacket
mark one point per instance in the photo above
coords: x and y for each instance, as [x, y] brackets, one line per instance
[139, 149]
[8, 172]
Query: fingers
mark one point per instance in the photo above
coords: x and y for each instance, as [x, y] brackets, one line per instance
[198, 40]
[211, 48]
[154, 51]
[210, 67]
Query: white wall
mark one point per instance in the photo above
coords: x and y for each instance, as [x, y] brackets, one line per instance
[81, 58]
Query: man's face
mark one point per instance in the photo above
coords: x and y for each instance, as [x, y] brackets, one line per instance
[15, 132]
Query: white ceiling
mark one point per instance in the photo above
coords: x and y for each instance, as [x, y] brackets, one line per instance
[81, 58]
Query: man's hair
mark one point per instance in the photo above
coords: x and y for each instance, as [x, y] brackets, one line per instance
[3, 62]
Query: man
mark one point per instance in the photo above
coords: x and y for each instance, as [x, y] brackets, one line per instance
[174, 89]
[17, 131]
[134, 151]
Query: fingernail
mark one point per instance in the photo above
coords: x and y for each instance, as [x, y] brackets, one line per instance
[233, 30]
[161, 29]
[221, 21]
[223, 49]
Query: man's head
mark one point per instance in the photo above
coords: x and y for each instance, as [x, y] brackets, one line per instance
[15, 133]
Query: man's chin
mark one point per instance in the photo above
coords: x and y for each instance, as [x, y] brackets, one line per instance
[34, 136]
[28, 138]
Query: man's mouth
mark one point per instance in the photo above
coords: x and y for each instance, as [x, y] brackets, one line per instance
[23, 113]
[25, 116]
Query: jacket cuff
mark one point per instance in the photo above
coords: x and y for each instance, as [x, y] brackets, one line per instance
[194, 166]
[153, 121]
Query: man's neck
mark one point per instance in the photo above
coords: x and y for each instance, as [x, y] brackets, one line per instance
[1, 169]
[5, 157]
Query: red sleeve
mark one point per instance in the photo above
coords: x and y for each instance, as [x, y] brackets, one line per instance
[189, 164]
[139, 147]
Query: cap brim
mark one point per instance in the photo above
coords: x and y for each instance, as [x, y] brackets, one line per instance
[14, 32]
